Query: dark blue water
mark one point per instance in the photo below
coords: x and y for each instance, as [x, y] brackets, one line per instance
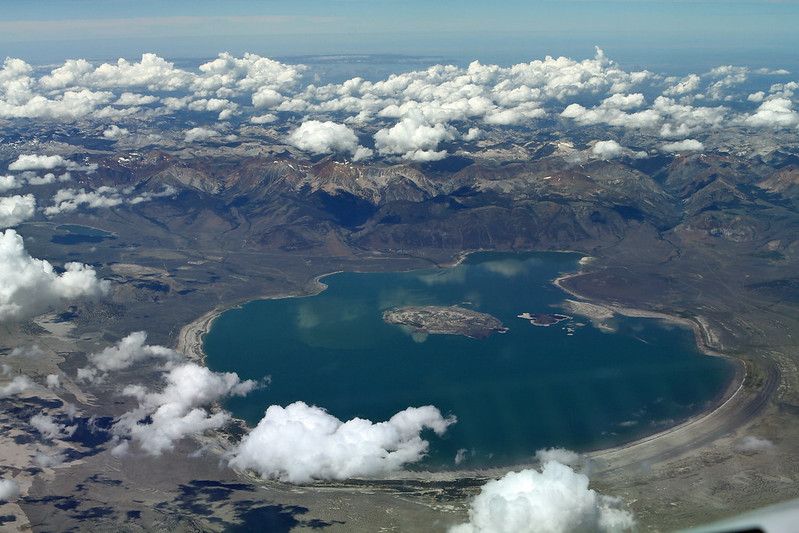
[513, 393]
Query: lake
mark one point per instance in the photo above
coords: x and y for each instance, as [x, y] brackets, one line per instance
[569, 385]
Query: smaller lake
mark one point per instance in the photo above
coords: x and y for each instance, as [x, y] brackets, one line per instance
[570, 384]
[76, 234]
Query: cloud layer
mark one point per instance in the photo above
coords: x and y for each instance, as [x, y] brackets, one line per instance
[408, 116]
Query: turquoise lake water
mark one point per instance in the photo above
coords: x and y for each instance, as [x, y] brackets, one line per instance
[513, 393]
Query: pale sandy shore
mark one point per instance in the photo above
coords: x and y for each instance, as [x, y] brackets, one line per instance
[728, 410]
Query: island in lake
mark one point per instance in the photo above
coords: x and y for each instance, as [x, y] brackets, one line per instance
[542, 319]
[452, 320]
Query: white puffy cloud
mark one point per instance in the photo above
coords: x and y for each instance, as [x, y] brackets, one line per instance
[266, 97]
[688, 84]
[560, 455]
[228, 75]
[752, 444]
[9, 490]
[300, 443]
[49, 428]
[147, 196]
[17, 385]
[612, 111]
[69, 105]
[683, 120]
[200, 134]
[225, 108]
[53, 381]
[555, 500]
[152, 72]
[264, 119]
[69, 74]
[123, 355]
[29, 162]
[16, 209]
[42, 180]
[774, 113]
[323, 138]
[607, 149]
[44, 460]
[115, 132]
[178, 410]
[37, 162]
[688, 145]
[134, 99]
[413, 139]
[66, 200]
[623, 101]
[729, 77]
[33, 351]
[9, 182]
[30, 286]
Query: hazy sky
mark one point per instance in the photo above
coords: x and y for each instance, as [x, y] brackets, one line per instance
[668, 32]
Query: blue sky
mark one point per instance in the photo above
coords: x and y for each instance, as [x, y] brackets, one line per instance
[666, 32]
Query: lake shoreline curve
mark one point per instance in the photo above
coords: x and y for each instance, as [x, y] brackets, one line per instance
[722, 416]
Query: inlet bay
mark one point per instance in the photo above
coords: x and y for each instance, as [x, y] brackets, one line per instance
[570, 384]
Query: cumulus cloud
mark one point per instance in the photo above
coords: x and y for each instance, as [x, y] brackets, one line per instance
[26, 162]
[264, 119]
[555, 500]
[775, 113]
[134, 99]
[688, 84]
[228, 75]
[9, 490]
[48, 461]
[16, 209]
[300, 443]
[42, 180]
[147, 196]
[324, 138]
[688, 145]
[728, 77]
[53, 381]
[200, 134]
[752, 444]
[15, 386]
[225, 108]
[9, 182]
[20, 98]
[35, 162]
[49, 428]
[127, 352]
[115, 132]
[178, 410]
[34, 351]
[414, 112]
[30, 286]
[613, 112]
[560, 455]
[607, 149]
[152, 72]
[66, 200]
[414, 139]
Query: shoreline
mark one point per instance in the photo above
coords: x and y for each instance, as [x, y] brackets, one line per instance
[190, 343]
